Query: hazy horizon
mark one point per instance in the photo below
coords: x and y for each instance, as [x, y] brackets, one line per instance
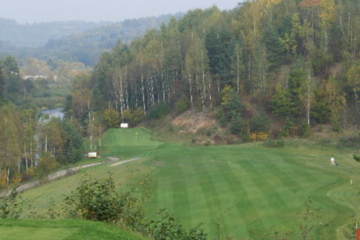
[25, 11]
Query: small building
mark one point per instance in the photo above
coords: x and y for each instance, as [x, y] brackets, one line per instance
[124, 125]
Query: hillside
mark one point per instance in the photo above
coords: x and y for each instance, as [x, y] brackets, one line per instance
[275, 67]
[88, 46]
[240, 191]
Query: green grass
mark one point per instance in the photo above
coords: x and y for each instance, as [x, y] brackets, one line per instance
[241, 191]
[61, 230]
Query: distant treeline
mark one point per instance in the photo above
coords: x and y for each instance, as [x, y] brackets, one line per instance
[71, 41]
[35, 35]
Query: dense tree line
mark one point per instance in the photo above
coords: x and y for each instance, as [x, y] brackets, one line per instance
[293, 61]
[30, 146]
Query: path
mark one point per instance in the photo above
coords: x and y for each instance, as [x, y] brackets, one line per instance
[124, 162]
[64, 173]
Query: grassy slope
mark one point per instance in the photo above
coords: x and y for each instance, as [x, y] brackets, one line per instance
[241, 191]
[61, 230]
[50, 195]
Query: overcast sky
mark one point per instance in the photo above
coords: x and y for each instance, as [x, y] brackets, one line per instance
[97, 10]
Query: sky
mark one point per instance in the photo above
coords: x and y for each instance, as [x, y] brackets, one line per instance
[99, 10]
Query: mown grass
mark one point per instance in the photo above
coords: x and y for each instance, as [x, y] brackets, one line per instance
[61, 230]
[241, 191]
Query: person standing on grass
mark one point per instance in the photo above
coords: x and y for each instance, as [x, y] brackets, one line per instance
[333, 161]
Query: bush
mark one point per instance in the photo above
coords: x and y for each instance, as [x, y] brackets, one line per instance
[47, 164]
[274, 143]
[304, 130]
[73, 143]
[98, 200]
[260, 123]
[239, 127]
[159, 111]
[182, 105]
[166, 227]
[133, 117]
[111, 118]
[11, 206]
[356, 157]
[350, 141]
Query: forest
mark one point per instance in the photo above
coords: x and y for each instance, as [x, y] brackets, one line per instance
[274, 66]
[31, 144]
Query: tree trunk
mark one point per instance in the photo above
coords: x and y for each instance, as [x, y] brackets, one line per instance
[238, 72]
[143, 93]
[308, 104]
[190, 91]
[204, 97]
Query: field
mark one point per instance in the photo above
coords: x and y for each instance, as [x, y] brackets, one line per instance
[241, 191]
[61, 230]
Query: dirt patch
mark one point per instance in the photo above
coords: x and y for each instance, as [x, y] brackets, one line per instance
[192, 122]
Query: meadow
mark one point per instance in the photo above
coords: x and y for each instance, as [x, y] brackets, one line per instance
[245, 191]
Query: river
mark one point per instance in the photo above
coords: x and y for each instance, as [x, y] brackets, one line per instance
[46, 115]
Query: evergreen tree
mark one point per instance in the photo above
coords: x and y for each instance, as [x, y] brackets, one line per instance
[13, 83]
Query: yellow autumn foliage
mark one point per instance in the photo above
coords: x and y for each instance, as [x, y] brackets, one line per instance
[328, 11]
[259, 136]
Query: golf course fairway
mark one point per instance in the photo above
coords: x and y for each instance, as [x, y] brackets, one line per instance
[245, 191]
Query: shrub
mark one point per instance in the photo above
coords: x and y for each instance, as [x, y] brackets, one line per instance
[356, 157]
[182, 105]
[111, 118]
[166, 227]
[274, 143]
[47, 164]
[133, 117]
[304, 130]
[240, 127]
[259, 136]
[260, 123]
[11, 206]
[159, 111]
[350, 141]
[98, 200]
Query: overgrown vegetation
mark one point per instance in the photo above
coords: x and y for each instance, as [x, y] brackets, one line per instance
[11, 206]
[98, 200]
[356, 157]
[274, 143]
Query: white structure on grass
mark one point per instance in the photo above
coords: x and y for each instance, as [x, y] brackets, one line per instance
[124, 125]
[93, 155]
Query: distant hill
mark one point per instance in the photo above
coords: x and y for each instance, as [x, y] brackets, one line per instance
[37, 34]
[87, 46]
[71, 41]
